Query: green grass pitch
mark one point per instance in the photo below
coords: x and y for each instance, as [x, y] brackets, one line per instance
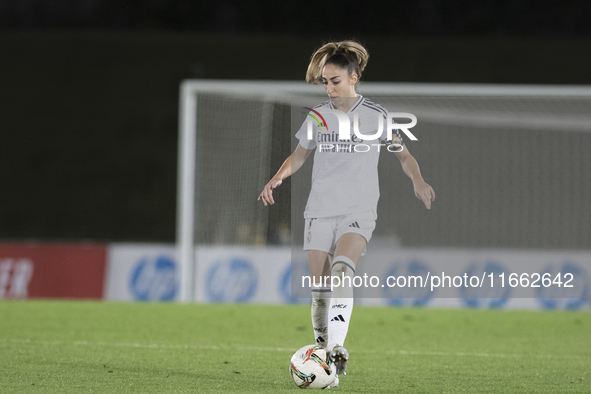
[78, 347]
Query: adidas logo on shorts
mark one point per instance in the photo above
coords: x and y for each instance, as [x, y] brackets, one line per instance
[354, 224]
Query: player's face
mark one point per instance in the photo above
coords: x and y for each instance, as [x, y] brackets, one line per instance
[337, 82]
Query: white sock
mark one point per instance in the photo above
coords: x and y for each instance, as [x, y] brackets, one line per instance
[320, 303]
[341, 307]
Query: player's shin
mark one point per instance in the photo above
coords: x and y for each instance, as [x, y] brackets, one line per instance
[321, 297]
[341, 306]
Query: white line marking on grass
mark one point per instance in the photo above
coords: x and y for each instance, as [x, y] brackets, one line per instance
[278, 349]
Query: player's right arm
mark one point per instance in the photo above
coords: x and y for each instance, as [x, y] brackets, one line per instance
[289, 167]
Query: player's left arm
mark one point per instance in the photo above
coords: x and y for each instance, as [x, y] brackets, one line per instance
[423, 190]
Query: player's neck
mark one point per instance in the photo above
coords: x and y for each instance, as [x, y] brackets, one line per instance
[344, 103]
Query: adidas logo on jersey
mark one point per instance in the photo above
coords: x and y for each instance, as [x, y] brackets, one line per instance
[338, 318]
[354, 224]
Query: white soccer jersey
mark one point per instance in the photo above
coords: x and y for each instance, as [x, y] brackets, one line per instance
[345, 172]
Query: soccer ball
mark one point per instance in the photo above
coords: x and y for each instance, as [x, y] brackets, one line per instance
[311, 368]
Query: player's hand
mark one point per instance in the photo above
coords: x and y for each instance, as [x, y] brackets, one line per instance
[267, 193]
[424, 192]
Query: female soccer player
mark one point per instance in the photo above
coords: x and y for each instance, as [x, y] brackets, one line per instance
[341, 210]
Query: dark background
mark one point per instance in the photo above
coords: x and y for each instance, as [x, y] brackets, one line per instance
[89, 89]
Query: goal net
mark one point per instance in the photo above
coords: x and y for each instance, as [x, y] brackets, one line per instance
[510, 165]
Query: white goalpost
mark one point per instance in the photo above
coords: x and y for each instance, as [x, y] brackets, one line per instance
[212, 112]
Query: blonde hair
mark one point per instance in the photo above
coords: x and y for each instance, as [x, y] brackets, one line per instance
[348, 55]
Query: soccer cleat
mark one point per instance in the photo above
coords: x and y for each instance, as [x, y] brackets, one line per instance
[335, 383]
[339, 356]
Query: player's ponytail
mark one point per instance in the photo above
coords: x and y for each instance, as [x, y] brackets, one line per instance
[348, 55]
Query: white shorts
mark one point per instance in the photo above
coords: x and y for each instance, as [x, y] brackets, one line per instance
[323, 233]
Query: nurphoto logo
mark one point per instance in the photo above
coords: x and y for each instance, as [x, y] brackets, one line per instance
[344, 133]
